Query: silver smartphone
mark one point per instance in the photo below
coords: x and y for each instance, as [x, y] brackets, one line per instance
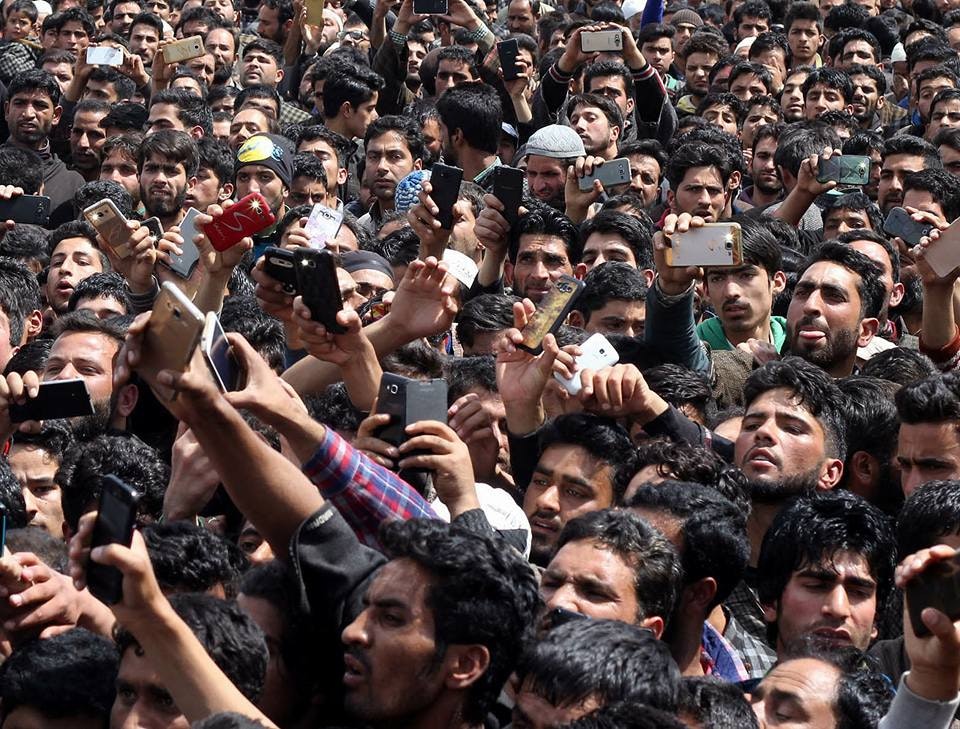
[612, 173]
[601, 41]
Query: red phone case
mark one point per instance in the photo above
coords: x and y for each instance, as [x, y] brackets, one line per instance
[245, 217]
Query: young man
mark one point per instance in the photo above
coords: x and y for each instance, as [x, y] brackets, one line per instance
[167, 167]
[470, 126]
[902, 155]
[120, 164]
[179, 110]
[612, 301]
[928, 448]
[767, 187]
[550, 151]
[34, 459]
[73, 257]
[264, 164]
[701, 54]
[598, 122]
[824, 90]
[214, 175]
[393, 147]
[87, 138]
[804, 29]
[869, 95]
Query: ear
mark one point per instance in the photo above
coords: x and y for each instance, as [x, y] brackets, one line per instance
[280, 73]
[649, 275]
[196, 132]
[896, 296]
[630, 105]
[580, 270]
[192, 182]
[830, 474]
[778, 282]
[700, 594]
[508, 273]
[418, 164]
[57, 113]
[465, 664]
[342, 174]
[127, 400]
[868, 330]
[576, 318]
[848, 108]
[226, 191]
[880, 102]
[861, 468]
[735, 179]
[654, 624]
[33, 325]
[616, 136]
[346, 110]
[671, 197]
[770, 611]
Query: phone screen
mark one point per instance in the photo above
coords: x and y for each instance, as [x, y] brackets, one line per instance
[221, 358]
[56, 399]
[183, 264]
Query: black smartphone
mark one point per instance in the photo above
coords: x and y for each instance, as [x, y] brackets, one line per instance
[409, 401]
[509, 52]
[551, 313]
[901, 225]
[116, 518]
[508, 189]
[426, 400]
[938, 586]
[279, 263]
[445, 191]
[3, 529]
[154, 226]
[430, 7]
[55, 400]
[318, 285]
[33, 209]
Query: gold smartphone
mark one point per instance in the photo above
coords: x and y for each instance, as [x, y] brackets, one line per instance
[713, 244]
[173, 332]
[315, 12]
[183, 50]
[551, 313]
[111, 225]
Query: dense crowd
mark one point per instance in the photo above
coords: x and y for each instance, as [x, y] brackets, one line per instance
[440, 365]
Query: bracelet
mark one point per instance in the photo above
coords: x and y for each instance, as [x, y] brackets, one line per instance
[399, 39]
[480, 33]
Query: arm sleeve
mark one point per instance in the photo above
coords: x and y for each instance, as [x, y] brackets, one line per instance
[946, 358]
[670, 328]
[909, 711]
[553, 87]
[678, 427]
[523, 458]
[389, 62]
[365, 493]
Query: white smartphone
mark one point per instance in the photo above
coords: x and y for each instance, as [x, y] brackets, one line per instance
[104, 56]
[597, 353]
[322, 226]
[601, 41]
[713, 244]
[943, 254]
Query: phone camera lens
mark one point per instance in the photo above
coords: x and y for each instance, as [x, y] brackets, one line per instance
[729, 245]
[176, 313]
[392, 389]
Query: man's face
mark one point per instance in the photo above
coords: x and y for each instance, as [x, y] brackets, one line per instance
[533, 711]
[279, 696]
[799, 693]
[247, 122]
[520, 18]
[930, 88]
[123, 15]
[723, 117]
[791, 100]
[602, 247]
[927, 452]
[824, 320]
[613, 88]
[645, 177]
[779, 440]
[701, 192]
[392, 669]
[567, 482]
[680, 38]
[751, 26]
[618, 316]
[821, 99]
[101, 90]
[895, 168]
[763, 169]
[833, 601]
[102, 307]
[866, 97]
[142, 701]
[62, 72]
[306, 191]
[73, 260]
[86, 140]
[388, 160]
[659, 53]
[72, 37]
[220, 44]
[857, 52]
[876, 253]
[363, 116]
[946, 115]
[268, 22]
[328, 156]
[163, 186]
[587, 577]
[546, 177]
[257, 178]
[144, 42]
[741, 296]
[923, 200]
[698, 72]
[951, 159]
[746, 86]
[35, 468]
[757, 116]
[804, 40]
[31, 115]
[451, 72]
[87, 355]
[537, 257]
[164, 116]
[205, 192]
[119, 168]
[415, 54]
[841, 220]
[204, 67]
[258, 67]
[223, 8]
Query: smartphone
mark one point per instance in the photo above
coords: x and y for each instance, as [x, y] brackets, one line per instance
[938, 586]
[154, 226]
[508, 189]
[409, 401]
[106, 217]
[612, 173]
[943, 254]
[445, 191]
[173, 332]
[184, 50]
[55, 400]
[713, 244]
[216, 350]
[846, 169]
[279, 263]
[901, 225]
[32, 209]
[246, 217]
[596, 353]
[315, 12]
[551, 313]
[116, 517]
[509, 52]
[104, 56]
[601, 41]
[322, 226]
[184, 264]
[430, 7]
[318, 285]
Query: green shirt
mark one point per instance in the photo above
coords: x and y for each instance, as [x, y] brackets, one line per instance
[711, 331]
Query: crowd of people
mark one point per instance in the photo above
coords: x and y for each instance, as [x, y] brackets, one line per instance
[747, 516]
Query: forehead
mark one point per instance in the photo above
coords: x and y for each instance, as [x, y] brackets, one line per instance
[607, 81]
[72, 245]
[159, 159]
[388, 139]
[589, 558]
[252, 114]
[781, 400]
[256, 170]
[828, 272]
[600, 239]
[702, 176]
[875, 252]
[844, 564]
[903, 161]
[85, 344]
[34, 95]
[143, 28]
[546, 243]
[538, 163]
[401, 580]
[807, 680]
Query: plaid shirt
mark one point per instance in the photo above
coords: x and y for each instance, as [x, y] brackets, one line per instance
[757, 656]
[365, 493]
[290, 114]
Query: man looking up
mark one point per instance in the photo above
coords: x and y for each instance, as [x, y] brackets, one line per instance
[550, 151]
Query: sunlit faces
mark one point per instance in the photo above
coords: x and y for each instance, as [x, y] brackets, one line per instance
[857, 52]
[701, 192]
[929, 89]
[35, 469]
[867, 99]
[659, 53]
[86, 140]
[791, 99]
[546, 177]
[246, 123]
[324, 151]
[842, 220]
[645, 175]
[763, 170]
[747, 85]
[804, 39]
[31, 115]
[892, 174]
[258, 178]
[821, 98]
[538, 255]
[589, 578]
[163, 186]
[73, 260]
[698, 72]
[722, 116]
[742, 296]
[613, 88]
[144, 42]
[945, 115]
[118, 167]
[388, 160]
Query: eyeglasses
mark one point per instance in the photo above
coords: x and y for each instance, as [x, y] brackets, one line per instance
[355, 35]
[369, 291]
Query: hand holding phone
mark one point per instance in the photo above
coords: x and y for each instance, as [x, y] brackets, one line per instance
[445, 191]
[611, 174]
[322, 226]
[32, 209]
[551, 313]
[55, 400]
[595, 354]
[319, 287]
[173, 332]
[184, 263]
[712, 244]
[219, 355]
[409, 401]
[244, 218]
[844, 169]
[116, 518]
[900, 224]
[508, 189]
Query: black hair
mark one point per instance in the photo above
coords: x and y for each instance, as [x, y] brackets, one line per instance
[176, 146]
[21, 168]
[465, 373]
[899, 365]
[334, 408]
[34, 79]
[151, 19]
[30, 357]
[76, 229]
[655, 31]
[227, 720]
[214, 155]
[697, 154]
[459, 53]
[681, 386]
[909, 144]
[11, 497]
[610, 110]
[610, 281]
[600, 69]
[242, 314]
[705, 43]
[847, 35]
[931, 512]
[628, 714]
[97, 190]
[67, 676]
[484, 314]
[111, 285]
[231, 638]
[544, 220]
[475, 110]
[927, 74]
[25, 243]
[712, 702]
[934, 399]
[354, 87]
[257, 91]
[855, 200]
[189, 558]
[864, 143]
[78, 15]
[637, 235]
[406, 128]
[339, 143]
[798, 142]
[747, 68]
[752, 9]
[264, 45]
[19, 296]
[942, 187]
[843, 17]
[479, 593]
[85, 463]
[812, 388]
[723, 98]
[122, 85]
[813, 529]
[24, 6]
[602, 438]
[832, 79]
[192, 111]
[606, 660]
